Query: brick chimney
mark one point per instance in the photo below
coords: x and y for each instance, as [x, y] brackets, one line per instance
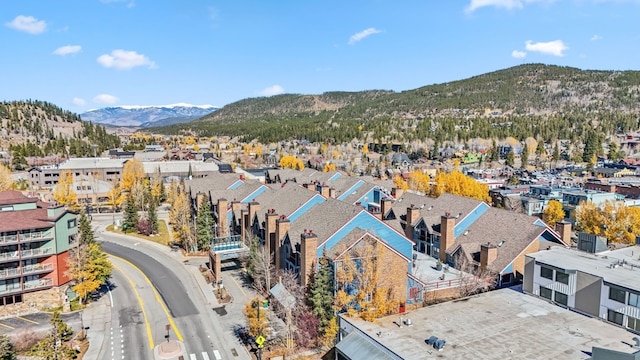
[253, 207]
[447, 237]
[244, 218]
[412, 215]
[270, 230]
[310, 186]
[308, 252]
[282, 228]
[332, 193]
[488, 253]
[324, 190]
[223, 221]
[385, 206]
[564, 229]
[397, 192]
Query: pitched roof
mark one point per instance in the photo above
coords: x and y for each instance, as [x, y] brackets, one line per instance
[324, 219]
[283, 198]
[516, 232]
[10, 197]
[215, 182]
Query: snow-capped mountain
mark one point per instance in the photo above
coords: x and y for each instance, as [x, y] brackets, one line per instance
[145, 116]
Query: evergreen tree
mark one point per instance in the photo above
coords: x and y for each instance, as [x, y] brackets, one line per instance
[53, 346]
[85, 231]
[320, 292]
[556, 153]
[525, 155]
[204, 225]
[7, 350]
[614, 153]
[254, 257]
[510, 158]
[152, 216]
[130, 214]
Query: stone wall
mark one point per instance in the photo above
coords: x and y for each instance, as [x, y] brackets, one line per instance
[34, 301]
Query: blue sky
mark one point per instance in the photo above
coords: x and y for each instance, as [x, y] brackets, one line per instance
[89, 54]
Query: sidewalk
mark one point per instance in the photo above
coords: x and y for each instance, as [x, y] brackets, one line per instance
[96, 318]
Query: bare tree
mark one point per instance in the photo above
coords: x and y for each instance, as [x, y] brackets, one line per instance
[260, 266]
[473, 279]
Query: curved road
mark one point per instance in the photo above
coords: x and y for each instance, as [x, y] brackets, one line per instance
[166, 282]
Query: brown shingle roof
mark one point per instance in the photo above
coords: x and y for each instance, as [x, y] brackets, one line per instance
[10, 197]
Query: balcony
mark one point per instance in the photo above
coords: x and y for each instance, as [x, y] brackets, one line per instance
[10, 288]
[9, 256]
[8, 273]
[36, 284]
[36, 252]
[36, 268]
[36, 236]
[8, 239]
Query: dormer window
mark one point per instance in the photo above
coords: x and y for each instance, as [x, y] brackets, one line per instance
[6, 208]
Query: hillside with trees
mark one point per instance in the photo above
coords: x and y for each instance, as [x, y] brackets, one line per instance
[543, 101]
[38, 128]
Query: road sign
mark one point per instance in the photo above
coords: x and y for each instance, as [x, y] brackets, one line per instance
[260, 341]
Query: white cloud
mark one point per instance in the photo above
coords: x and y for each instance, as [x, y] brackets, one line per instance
[363, 34]
[272, 90]
[67, 49]
[555, 47]
[504, 4]
[105, 99]
[129, 4]
[124, 60]
[28, 24]
[78, 101]
[596, 38]
[518, 54]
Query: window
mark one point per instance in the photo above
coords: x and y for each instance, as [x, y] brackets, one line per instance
[615, 317]
[560, 298]
[633, 323]
[546, 272]
[71, 223]
[545, 293]
[617, 295]
[562, 277]
[634, 300]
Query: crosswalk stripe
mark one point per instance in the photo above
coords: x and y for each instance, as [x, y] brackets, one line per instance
[193, 357]
[205, 355]
[216, 354]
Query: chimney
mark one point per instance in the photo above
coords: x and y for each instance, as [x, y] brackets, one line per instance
[308, 252]
[282, 228]
[310, 186]
[200, 197]
[236, 206]
[488, 253]
[447, 237]
[385, 206]
[223, 221]
[253, 207]
[244, 218]
[332, 193]
[412, 215]
[397, 192]
[564, 229]
[270, 230]
[324, 190]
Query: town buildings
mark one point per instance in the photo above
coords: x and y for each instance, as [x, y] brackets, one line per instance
[35, 243]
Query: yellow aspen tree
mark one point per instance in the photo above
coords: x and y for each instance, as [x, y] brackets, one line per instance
[553, 213]
[400, 183]
[115, 197]
[6, 182]
[64, 193]
[133, 172]
[589, 218]
[329, 167]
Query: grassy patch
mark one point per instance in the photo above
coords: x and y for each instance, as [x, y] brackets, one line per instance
[161, 238]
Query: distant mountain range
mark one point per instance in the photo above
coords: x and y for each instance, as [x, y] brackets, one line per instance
[145, 116]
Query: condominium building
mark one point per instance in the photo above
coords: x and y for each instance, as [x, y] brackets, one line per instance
[35, 240]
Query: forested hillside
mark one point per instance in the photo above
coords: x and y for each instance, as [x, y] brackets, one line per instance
[543, 101]
[38, 128]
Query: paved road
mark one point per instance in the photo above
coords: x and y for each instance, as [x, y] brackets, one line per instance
[193, 315]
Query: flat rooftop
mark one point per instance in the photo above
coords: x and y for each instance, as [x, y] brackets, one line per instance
[621, 266]
[501, 324]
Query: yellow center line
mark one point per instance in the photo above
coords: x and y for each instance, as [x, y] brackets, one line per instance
[7, 326]
[238, 285]
[158, 298]
[144, 314]
[28, 320]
